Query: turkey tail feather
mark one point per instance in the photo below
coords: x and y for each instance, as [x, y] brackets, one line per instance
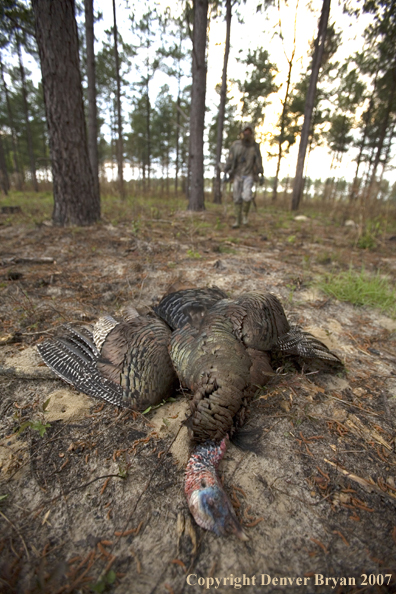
[70, 362]
[302, 344]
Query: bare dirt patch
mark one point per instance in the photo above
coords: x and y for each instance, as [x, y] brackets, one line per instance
[99, 496]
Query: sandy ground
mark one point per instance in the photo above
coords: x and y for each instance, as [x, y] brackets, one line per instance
[96, 502]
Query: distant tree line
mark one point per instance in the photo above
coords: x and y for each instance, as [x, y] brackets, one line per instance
[60, 125]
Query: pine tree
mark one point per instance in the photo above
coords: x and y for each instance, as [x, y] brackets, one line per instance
[257, 87]
[197, 116]
[75, 199]
[92, 127]
[222, 105]
[382, 36]
[146, 32]
[309, 105]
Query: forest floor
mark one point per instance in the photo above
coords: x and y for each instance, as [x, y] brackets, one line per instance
[91, 497]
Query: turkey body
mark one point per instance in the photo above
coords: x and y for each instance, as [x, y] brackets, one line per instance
[188, 306]
[218, 369]
[218, 348]
[225, 355]
[222, 356]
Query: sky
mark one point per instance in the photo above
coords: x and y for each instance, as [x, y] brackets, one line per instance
[262, 29]
[265, 28]
[258, 29]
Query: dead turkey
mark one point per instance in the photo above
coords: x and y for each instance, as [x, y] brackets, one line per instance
[222, 356]
[218, 348]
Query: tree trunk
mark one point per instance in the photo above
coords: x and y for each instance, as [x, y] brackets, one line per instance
[355, 184]
[92, 110]
[384, 127]
[220, 119]
[75, 199]
[4, 180]
[365, 185]
[309, 104]
[143, 174]
[284, 109]
[177, 141]
[148, 132]
[27, 121]
[285, 191]
[120, 145]
[197, 118]
[282, 130]
[387, 154]
[14, 137]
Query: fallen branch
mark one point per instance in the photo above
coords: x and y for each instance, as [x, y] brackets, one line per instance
[26, 260]
[368, 485]
[30, 374]
[356, 426]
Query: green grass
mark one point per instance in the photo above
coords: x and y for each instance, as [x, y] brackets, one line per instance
[193, 254]
[366, 242]
[35, 207]
[225, 249]
[324, 258]
[361, 288]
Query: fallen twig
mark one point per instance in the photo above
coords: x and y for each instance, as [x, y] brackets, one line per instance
[34, 373]
[17, 531]
[26, 260]
[366, 484]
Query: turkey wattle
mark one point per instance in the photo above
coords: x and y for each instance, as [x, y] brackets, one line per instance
[208, 502]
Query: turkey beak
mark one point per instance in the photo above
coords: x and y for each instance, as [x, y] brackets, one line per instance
[231, 523]
[233, 527]
[239, 533]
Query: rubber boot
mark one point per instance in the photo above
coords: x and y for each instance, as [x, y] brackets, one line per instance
[238, 215]
[245, 210]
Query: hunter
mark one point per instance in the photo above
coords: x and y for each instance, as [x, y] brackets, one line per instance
[244, 166]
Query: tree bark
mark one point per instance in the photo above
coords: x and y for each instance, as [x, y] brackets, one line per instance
[120, 144]
[27, 120]
[92, 109]
[148, 132]
[223, 94]
[4, 180]
[75, 199]
[385, 124]
[284, 109]
[177, 141]
[282, 130]
[197, 118]
[355, 184]
[309, 104]
[14, 139]
[387, 154]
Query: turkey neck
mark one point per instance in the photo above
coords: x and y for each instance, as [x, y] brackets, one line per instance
[203, 462]
[207, 501]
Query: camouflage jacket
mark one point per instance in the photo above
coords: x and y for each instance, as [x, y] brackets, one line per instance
[244, 158]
